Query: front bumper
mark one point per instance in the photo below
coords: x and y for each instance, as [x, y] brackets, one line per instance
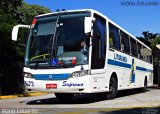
[71, 85]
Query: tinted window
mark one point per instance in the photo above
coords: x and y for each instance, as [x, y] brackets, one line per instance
[147, 55]
[114, 38]
[99, 43]
[125, 46]
[133, 47]
[139, 50]
[49, 39]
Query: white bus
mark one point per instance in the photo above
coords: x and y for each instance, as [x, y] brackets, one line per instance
[54, 62]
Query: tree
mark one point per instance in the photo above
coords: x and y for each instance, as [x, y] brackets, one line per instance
[149, 36]
[145, 41]
[7, 53]
[10, 5]
[156, 58]
[155, 41]
[150, 39]
[12, 12]
[28, 13]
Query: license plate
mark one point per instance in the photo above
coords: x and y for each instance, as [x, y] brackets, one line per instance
[51, 86]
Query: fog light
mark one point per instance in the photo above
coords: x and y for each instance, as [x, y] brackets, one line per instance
[27, 75]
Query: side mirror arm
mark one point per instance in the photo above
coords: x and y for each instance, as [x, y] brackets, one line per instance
[16, 29]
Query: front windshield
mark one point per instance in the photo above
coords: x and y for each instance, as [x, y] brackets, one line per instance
[56, 41]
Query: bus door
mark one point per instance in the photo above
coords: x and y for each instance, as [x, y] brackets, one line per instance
[98, 45]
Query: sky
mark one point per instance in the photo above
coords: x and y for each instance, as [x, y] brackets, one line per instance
[141, 15]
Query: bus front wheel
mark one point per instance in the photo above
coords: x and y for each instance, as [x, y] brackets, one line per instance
[112, 88]
[64, 97]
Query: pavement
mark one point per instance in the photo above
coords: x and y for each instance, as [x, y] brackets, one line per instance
[126, 102]
[28, 94]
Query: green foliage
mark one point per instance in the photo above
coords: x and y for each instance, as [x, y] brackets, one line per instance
[150, 39]
[13, 12]
[8, 57]
[148, 36]
[155, 42]
[145, 41]
[10, 5]
[30, 11]
[7, 21]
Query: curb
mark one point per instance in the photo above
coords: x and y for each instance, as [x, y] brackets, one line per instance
[29, 94]
[154, 86]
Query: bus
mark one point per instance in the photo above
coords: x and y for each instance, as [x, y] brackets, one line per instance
[54, 62]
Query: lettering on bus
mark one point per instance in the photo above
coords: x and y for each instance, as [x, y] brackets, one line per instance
[29, 83]
[65, 83]
[120, 57]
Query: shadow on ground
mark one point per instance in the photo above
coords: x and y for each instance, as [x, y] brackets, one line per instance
[82, 99]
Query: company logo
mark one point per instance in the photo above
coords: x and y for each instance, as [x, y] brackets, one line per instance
[50, 76]
[120, 57]
[65, 83]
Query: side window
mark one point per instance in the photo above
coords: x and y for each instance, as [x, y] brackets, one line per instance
[114, 38]
[147, 55]
[143, 53]
[133, 47]
[99, 43]
[139, 50]
[125, 46]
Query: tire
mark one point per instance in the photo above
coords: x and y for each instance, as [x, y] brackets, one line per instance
[64, 97]
[112, 88]
[110, 94]
[144, 89]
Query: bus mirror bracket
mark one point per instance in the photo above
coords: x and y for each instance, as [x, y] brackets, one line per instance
[88, 24]
[16, 29]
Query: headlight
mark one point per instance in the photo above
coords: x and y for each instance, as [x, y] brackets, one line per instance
[79, 73]
[27, 75]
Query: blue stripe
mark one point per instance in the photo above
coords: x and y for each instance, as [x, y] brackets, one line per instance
[51, 76]
[117, 63]
[125, 65]
[143, 69]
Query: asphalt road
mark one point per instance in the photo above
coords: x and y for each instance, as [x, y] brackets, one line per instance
[126, 102]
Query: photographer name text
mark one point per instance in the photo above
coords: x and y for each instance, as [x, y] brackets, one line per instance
[140, 3]
[18, 110]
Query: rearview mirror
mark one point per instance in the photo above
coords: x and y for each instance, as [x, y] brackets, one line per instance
[16, 29]
[88, 24]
